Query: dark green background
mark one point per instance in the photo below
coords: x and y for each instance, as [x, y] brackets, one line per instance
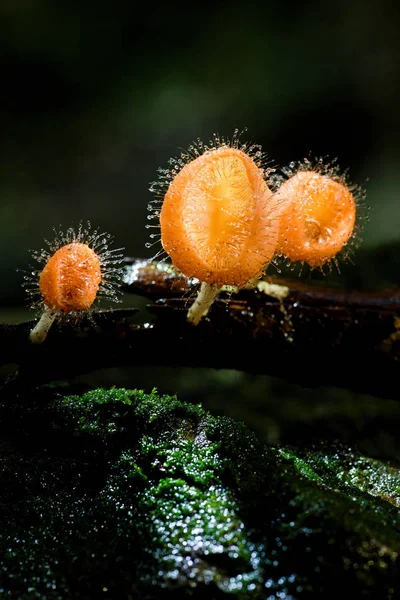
[96, 96]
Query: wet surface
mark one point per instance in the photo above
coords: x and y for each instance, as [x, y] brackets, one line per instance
[119, 494]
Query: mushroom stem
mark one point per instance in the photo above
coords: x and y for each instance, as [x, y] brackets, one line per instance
[41, 329]
[201, 305]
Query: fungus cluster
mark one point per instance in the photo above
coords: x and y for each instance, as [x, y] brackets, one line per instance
[223, 215]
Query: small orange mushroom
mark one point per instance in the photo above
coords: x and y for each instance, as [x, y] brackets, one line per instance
[317, 217]
[78, 270]
[71, 278]
[218, 222]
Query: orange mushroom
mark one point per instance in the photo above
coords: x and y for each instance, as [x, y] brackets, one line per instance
[317, 217]
[79, 269]
[218, 222]
[71, 278]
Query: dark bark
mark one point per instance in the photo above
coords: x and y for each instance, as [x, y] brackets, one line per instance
[318, 336]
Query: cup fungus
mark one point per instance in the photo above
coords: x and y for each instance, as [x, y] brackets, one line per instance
[218, 217]
[79, 268]
[317, 213]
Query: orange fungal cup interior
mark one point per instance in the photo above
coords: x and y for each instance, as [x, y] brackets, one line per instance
[317, 217]
[218, 218]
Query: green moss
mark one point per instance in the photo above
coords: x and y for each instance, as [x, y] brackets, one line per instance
[301, 465]
[346, 469]
[122, 494]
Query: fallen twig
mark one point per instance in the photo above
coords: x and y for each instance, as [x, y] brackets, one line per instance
[316, 336]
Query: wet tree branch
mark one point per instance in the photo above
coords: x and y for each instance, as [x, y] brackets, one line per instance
[317, 336]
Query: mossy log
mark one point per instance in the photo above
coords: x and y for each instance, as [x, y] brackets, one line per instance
[119, 494]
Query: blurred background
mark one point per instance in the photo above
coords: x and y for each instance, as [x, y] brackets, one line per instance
[96, 96]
